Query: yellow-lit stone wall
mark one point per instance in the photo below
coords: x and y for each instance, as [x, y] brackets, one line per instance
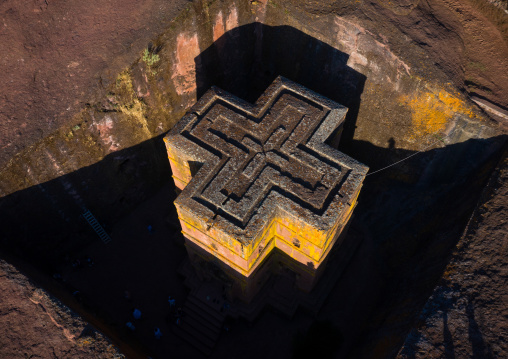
[292, 225]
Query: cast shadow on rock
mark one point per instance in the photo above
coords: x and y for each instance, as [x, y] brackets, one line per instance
[246, 60]
[415, 213]
[43, 223]
[410, 222]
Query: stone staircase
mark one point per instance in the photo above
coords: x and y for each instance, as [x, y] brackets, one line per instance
[201, 323]
[89, 217]
[205, 312]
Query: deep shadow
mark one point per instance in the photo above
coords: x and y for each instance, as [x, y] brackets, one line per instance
[321, 340]
[409, 351]
[247, 59]
[43, 223]
[415, 213]
[479, 347]
[413, 227]
[391, 143]
[449, 350]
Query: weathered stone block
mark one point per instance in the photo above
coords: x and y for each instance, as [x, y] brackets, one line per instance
[259, 177]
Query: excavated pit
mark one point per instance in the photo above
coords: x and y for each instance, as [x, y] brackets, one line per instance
[111, 160]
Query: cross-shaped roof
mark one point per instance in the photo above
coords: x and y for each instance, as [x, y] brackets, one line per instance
[241, 166]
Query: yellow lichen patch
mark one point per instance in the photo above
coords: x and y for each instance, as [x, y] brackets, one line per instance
[128, 103]
[85, 342]
[123, 88]
[432, 111]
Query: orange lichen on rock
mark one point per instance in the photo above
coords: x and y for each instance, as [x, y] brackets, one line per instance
[432, 111]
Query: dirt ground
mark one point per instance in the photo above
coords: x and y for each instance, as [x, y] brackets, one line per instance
[35, 325]
[467, 313]
[466, 39]
[57, 54]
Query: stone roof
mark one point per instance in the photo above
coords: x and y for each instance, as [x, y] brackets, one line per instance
[250, 163]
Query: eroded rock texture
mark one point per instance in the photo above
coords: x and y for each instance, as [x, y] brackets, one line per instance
[36, 325]
[466, 315]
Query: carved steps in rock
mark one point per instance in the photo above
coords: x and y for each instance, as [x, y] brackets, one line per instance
[203, 309]
[283, 297]
[201, 324]
[92, 221]
[190, 337]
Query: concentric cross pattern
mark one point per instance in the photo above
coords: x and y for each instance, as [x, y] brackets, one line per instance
[257, 156]
[241, 165]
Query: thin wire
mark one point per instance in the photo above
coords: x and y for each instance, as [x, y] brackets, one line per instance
[414, 154]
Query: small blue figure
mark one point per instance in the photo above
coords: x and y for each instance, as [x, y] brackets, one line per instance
[172, 302]
[136, 313]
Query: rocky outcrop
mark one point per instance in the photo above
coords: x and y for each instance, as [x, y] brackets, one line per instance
[466, 313]
[40, 326]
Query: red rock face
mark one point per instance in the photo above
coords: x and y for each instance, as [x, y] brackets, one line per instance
[57, 52]
[221, 27]
[184, 70]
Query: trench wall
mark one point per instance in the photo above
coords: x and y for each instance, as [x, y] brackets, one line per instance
[110, 156]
